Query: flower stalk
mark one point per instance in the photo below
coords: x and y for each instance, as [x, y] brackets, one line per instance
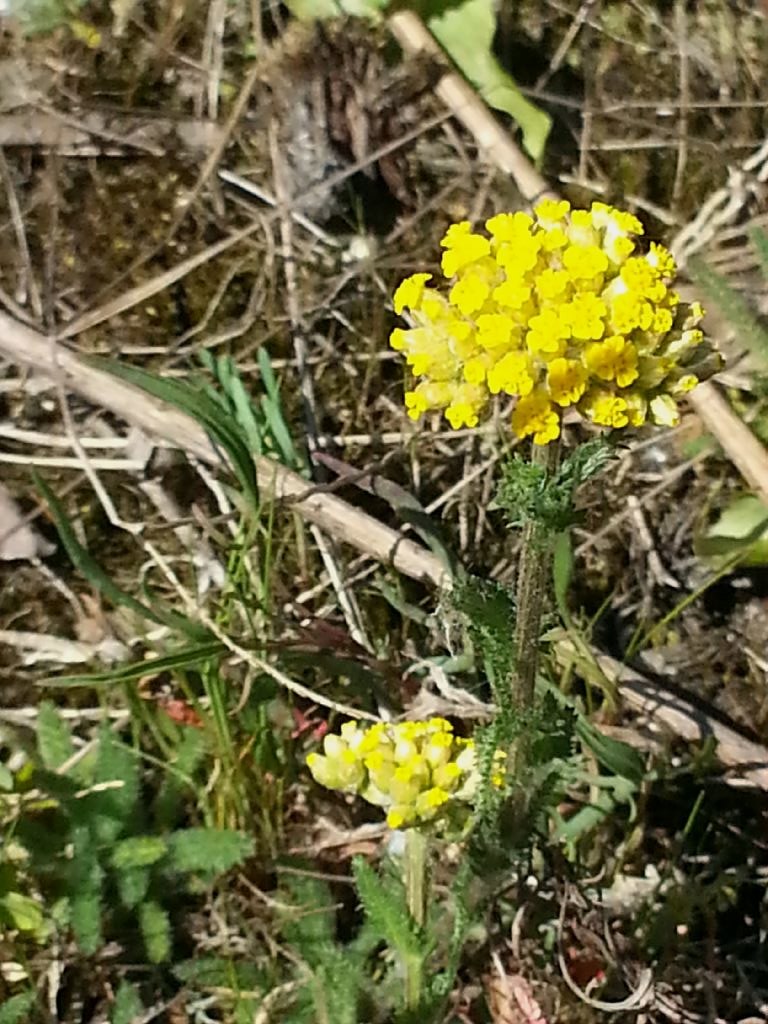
[533, 583]
[416, 885]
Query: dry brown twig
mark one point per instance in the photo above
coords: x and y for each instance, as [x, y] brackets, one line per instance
[32, 350]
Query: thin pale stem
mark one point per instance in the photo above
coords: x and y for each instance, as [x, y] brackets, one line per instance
[415, 873]
[533, 582]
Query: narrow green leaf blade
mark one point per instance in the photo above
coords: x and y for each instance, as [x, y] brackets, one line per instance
[83, 561]
[734, 308]
[181, 659]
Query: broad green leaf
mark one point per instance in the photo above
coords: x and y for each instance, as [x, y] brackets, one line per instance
[466, 32]
[618, 757]
[54, 740]
[138, 852]
[127, 1007]
[741, 533]
[210, 850]
[6, 779]
[155, 928]
[21, 912]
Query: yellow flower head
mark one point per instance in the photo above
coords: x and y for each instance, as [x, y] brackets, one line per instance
[416, 771]
[557, 310]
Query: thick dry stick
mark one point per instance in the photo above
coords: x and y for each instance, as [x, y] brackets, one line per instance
[27, 347]
[469, 108]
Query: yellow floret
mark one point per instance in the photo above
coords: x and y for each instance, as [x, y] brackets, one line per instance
[509, 227]
[662, 260]
[494, 330]
[566, 381]
[585, 316]
[613, 359]
[514, 373]
[519, 257]
[534, 415]
[513, 293]
[463, 412]
[551, 285]
[606, 409]
[664, 411]
[585, 261]
[469, 293]
[462, 247]
[476, 368]
[409, 292]
[551, 211]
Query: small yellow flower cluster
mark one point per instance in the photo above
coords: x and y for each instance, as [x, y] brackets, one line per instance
[411, 769]
[556, 310]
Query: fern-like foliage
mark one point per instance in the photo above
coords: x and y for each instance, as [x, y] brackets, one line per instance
[16, 1010]
[94, 850]
[54, 741]
[526, 491]
[208, 850]
[383, 901]
[335, 987]
[127, 1006]
[155, 925]
[489, 611]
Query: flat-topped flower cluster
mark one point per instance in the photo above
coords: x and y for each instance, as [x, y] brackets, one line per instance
[557, 310]
[413, 770]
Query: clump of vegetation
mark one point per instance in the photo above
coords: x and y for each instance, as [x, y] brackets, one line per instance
[390, 807]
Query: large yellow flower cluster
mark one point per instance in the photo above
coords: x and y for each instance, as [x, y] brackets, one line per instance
[414, 770]
[556, 310]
